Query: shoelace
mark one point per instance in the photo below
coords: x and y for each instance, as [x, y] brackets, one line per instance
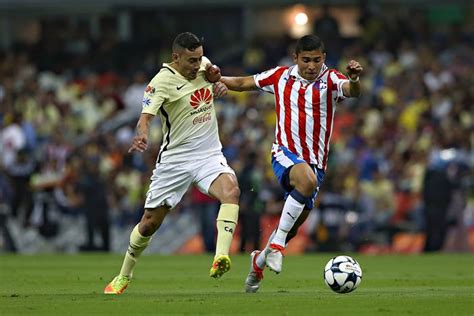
[279, 248]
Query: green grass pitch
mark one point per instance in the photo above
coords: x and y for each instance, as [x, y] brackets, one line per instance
[441, 284]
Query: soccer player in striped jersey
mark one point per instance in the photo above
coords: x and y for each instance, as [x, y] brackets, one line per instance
[306, 94]
[182, 95]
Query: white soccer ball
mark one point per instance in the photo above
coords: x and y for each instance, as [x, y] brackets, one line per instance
[342, 274]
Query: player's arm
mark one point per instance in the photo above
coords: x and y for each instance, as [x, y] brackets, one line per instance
[140, 141]
[239, 83]
[352, 88]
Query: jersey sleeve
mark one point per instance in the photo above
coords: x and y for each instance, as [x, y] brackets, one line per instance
[266, 80]
[156, 93]
[338, 79]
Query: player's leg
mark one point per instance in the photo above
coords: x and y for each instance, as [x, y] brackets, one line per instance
[226, 190]
[141, 236]
[139, 240]
[261, 260]
[294, 230]
[297, 178]
[304, 180]
[308, 207]
[304, 183]
[166, 190]
[215, 178]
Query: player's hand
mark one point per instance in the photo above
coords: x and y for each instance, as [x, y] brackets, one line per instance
[139, 144]
[213, 73]
[220, 89]
[354, 69]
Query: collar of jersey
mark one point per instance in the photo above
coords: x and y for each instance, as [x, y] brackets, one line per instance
[294, 73]
[175, 71]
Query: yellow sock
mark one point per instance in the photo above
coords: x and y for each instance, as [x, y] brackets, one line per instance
[226, 222]
[137, 244]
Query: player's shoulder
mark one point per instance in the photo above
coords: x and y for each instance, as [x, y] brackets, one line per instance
[282, 68]
[335, 72]
[275, 71]
[166, 71]
[163, 76]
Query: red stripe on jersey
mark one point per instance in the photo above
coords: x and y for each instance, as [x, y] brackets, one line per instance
[273, 78]
[287, 105]
[316, 120]
[302, 123]
[328, 121]
[339, 75]
[277, 75]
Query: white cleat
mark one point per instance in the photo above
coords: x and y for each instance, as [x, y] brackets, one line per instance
[274, 258]
[255, 276]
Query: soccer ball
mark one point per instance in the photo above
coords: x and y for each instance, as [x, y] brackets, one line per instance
[342, 274]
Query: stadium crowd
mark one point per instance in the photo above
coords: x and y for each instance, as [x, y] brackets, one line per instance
[401, 154]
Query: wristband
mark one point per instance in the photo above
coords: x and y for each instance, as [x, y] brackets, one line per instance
[352, 80]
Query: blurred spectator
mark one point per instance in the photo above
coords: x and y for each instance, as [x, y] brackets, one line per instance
[251, 207]
[327, 27]
[330, 224]
[43, 182]
[439, 184]
[134, 94]
[93, 193]
[12, 139]
[20, 172]
[206, 210]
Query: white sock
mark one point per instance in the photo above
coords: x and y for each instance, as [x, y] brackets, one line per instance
[291, 211]
[137, 244]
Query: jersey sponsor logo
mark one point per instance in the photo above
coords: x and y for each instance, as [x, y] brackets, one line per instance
[202, 118]
[150, 90]
[201, 110]
[200, 97]
[146, 102]
[179, 87]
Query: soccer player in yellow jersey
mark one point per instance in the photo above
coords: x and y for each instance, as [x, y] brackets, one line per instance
[190, 154]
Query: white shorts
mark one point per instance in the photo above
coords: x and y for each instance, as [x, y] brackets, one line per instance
[170, 181]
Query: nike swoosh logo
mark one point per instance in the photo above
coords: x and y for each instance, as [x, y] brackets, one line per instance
[179, 88]
[290, 215]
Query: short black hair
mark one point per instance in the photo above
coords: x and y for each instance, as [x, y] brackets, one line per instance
[186, 40]
[309, 43]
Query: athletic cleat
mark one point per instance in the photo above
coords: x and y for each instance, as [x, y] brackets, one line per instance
[252, 282]
[274, 258]
[220, 266]
[117, 285]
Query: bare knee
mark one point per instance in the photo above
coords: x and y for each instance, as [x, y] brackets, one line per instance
[148, 226]
[307, 185]
[151, 221]
[232, 195]
[303, 179]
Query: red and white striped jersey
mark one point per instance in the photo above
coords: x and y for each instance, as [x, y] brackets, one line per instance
[304, 109]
